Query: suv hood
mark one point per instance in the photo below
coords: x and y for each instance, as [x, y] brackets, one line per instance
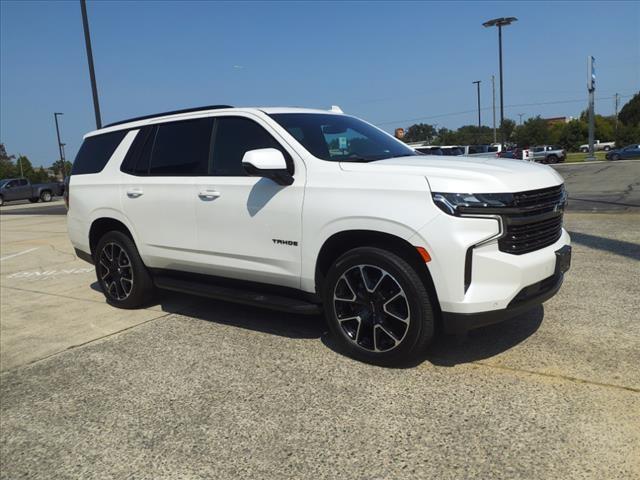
[466, 174]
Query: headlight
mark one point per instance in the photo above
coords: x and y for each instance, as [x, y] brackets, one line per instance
[460, 203]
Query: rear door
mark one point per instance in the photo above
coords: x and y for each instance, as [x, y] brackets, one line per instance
[158, 193]
[249, 227]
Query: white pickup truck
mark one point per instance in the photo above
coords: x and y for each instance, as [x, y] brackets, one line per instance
[598, 145]
[311, 211]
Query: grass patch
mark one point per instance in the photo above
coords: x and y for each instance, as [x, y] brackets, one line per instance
[579, 156]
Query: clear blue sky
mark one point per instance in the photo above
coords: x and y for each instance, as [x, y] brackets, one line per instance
[391, 63]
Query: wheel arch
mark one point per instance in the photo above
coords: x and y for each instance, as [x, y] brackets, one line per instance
[341, 242]
[102, 225]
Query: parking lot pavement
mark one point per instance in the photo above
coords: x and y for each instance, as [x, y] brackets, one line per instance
[602, 186]
[193, 388]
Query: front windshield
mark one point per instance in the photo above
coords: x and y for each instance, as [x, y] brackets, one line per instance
[340, 138]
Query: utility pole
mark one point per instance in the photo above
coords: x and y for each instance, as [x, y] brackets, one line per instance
[520, 115]
[60, 144]
[92, 73]
[591, 88]
[617, 97]
[493, 89]
[20, 163]
[477, 82]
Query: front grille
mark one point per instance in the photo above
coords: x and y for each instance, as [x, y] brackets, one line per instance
[535, 222]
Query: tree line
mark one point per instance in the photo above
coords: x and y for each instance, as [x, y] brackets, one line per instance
[20, 166]
[538, 131]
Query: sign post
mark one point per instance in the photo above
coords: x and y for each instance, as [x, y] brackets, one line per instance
[591, 88]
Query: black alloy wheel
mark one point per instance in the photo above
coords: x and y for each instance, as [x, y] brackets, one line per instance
[378, 307]
[115, 271]
[372, 308]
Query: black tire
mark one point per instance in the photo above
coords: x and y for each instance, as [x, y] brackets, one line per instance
[46, 196]
[552, 159]
[1, 201]
[115, 274]
[607, 148]
[584, 150]
[34, 200]
[363, 322]
[615, 156]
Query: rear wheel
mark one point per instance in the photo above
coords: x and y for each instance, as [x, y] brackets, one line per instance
[584, 150]
[45, 196]
[123, 277]
[1, 201]
[615, 156]
[607, 148]
[552, 159]
[378, 308]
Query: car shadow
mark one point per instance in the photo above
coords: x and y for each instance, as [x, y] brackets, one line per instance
[446, 350]
[619, 247]
[486, 342]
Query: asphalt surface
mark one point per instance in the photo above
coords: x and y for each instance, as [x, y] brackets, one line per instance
[602, 186]
[192, 388]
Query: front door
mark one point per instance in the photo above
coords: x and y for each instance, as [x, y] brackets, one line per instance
[249, 228]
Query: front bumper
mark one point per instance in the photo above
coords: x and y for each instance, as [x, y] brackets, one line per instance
[527, 298]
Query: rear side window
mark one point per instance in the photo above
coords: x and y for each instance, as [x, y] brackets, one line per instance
[96, 151]
[181, 148]
[234, 137]
[144, 140]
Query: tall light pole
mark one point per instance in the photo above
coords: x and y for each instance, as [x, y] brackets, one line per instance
[591, 88]
[477, 82]
[493, 90]
[520, 115]
[60, 144]
[92, 73]
[500, 22]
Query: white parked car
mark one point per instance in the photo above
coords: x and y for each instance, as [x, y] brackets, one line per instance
[308, 211]
[598, 145]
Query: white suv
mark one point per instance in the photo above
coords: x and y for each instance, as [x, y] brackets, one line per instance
[307, 210]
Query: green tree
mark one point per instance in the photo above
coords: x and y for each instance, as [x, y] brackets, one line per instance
[534, 131]
[627, 134]
[7, 167]
[507, 128]
[65, 167]
[630, 113]
[420, 132]
[572, 135]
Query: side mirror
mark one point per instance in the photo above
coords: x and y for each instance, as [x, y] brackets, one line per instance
[268, 163]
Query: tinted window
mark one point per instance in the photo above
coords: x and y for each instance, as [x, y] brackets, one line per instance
[132, 156]
[340, 137]
[182, 148]
[234, 137]
[23, 182]
[96, 151]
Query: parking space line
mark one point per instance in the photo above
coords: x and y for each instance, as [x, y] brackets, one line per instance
[18, 254]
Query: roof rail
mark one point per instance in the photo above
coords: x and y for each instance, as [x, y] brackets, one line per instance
[173, 112]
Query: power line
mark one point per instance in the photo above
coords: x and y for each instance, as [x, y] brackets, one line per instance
[452, 114]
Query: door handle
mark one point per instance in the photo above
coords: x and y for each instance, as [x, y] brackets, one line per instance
[208, 194]
[134, 192]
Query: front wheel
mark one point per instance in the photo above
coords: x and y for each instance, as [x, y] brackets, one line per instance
[584, 150]
[607, 148]
[615, 156]
[377, 307]
[123, 277]
[552, 159]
